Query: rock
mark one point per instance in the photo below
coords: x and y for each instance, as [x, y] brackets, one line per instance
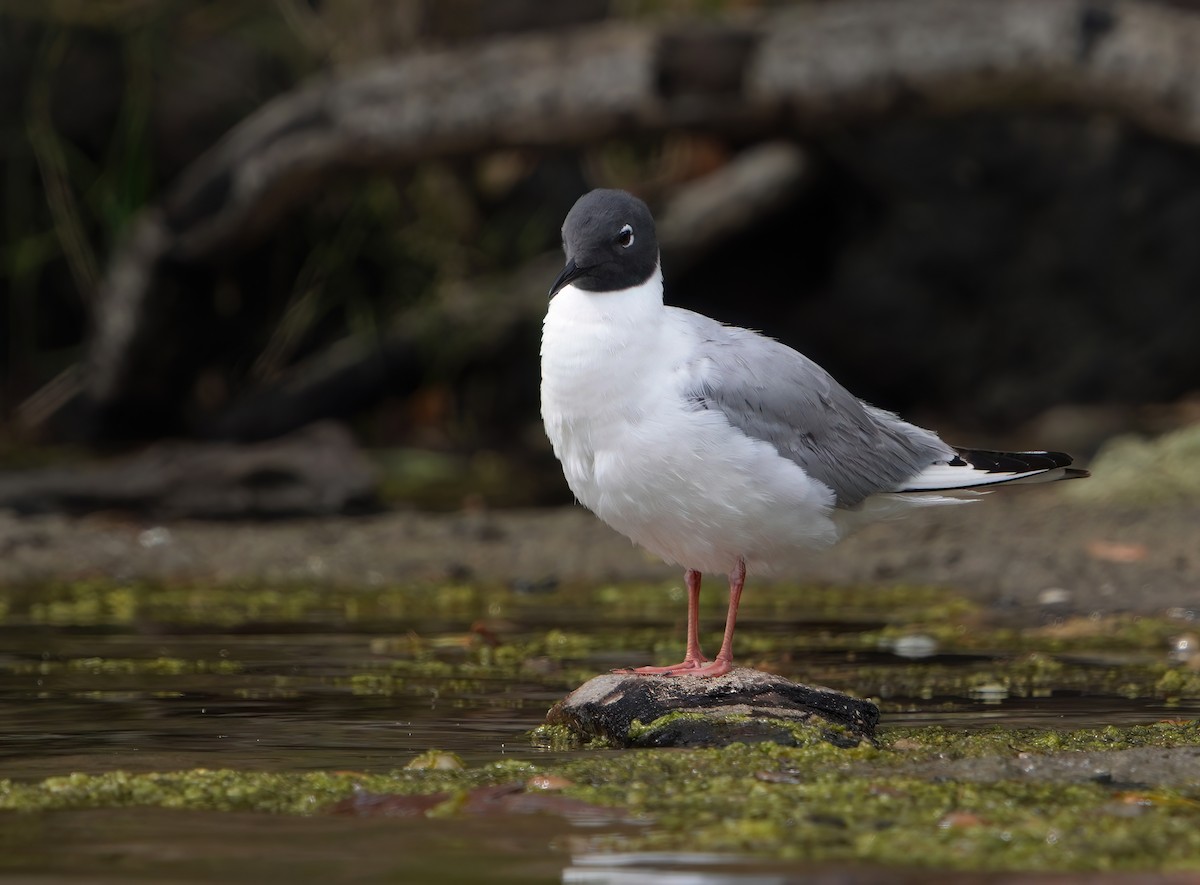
[743, 706]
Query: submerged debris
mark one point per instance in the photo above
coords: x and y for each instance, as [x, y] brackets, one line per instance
[436, 760]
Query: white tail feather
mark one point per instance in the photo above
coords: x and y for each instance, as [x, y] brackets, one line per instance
[944, 477]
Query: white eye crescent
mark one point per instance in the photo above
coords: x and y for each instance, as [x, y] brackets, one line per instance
[625, 237]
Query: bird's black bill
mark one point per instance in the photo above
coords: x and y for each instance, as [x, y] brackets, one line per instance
[569, 273]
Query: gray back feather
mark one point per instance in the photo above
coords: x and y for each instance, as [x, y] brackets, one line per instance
[772, 393]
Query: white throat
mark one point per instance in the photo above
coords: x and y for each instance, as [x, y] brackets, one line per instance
[598, 351]
[621, 307]
[592, 340]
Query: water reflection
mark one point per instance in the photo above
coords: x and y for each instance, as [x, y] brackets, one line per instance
[679, 868]
[153, 845]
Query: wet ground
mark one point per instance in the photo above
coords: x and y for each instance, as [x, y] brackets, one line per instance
[354, 646]
[1007, 548]
[102, 678]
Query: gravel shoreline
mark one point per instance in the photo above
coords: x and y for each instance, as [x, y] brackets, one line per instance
[1022, 548]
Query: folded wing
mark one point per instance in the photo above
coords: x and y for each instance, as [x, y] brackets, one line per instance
[774, 394]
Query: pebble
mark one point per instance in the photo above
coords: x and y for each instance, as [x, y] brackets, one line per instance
[548, 782]
[915, 646]
[989, 693]
[1184, 647]
[1054, 596]
[155, 537]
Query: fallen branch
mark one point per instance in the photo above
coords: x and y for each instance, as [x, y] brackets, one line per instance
[779, 73]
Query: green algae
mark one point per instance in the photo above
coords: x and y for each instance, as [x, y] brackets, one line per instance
[639, 730]
[560, 737]
[812, 802]
[953, 743]
[436, 760]
[227, 790]
[902, 822]
[97, 666]
[1119, 655]
[1125, 632]
[102, 602]
[1025, 676]
[715, 728]
[867, 618]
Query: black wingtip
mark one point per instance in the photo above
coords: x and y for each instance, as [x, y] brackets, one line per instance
[1018, 462]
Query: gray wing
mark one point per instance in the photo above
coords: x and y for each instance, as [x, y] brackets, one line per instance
[771, 392]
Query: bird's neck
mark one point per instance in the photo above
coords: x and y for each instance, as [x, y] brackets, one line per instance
[596, 345]
[617, 311]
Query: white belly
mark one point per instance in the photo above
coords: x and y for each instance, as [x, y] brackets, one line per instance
[681, 482]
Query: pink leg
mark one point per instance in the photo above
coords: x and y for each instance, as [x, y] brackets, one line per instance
[695, 664]
[724, 662]
[693, 658]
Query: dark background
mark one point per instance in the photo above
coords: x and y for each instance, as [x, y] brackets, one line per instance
[1011, 276]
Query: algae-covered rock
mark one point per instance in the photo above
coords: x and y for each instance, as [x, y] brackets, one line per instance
[743, 706]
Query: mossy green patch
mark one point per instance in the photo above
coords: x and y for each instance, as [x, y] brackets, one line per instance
[639, 729]
[957, 743]
[714, 728]
[559, 737]
[814, 802]
[819, 803]
[159, 666]
[1124, 632]
[485, 633]
[225, 790]
[1025, 676]
[107, 603]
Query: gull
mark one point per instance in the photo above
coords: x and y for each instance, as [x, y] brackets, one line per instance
[715, 447]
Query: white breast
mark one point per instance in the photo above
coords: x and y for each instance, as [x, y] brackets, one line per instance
[597, 351]
[678, 480]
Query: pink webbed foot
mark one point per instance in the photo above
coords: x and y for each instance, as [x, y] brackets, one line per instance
[719, 667]
[702, 668]
[686, 666]
[694, 662]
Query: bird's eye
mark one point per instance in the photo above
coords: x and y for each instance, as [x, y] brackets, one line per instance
[625, 237]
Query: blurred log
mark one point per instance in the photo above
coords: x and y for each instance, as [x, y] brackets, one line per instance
[784, 72]
[317, 471]
[732, 199]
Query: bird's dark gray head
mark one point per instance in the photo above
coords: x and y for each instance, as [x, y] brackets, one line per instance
[610, 243]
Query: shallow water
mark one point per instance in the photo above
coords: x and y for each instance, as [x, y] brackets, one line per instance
[87, 690]
[293, 702]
